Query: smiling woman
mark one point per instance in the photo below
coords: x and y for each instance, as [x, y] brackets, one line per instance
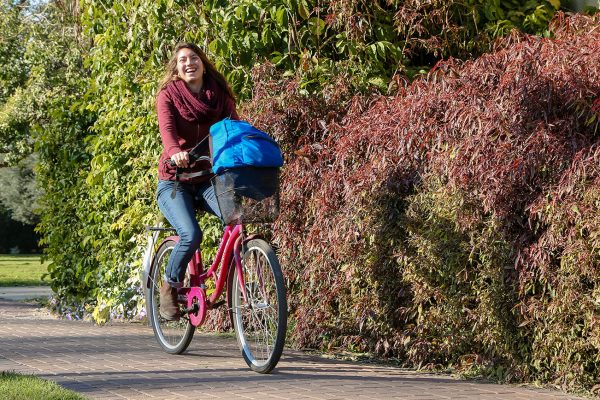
[190, 69]
[192, 97]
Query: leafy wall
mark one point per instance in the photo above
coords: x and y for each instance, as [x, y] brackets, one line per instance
[123, 49]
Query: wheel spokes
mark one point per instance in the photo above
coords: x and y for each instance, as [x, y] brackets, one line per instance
[172, 332]
[259, 315]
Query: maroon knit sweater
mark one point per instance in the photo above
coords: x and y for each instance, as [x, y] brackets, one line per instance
[178, 134]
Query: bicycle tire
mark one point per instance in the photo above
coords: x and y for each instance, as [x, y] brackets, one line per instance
[260, 325]
[173, 336]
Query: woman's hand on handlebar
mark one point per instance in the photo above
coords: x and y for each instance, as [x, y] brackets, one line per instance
[181, 159]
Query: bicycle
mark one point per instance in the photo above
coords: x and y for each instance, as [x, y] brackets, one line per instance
[245, 266]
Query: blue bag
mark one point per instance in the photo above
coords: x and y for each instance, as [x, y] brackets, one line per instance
[236, 144]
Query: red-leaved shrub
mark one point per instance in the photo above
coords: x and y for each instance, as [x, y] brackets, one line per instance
[456, 223]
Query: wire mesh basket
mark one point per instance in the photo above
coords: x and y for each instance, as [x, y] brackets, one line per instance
[248, 195]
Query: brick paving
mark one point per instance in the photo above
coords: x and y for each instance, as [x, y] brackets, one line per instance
[24, 292]
[123, 361]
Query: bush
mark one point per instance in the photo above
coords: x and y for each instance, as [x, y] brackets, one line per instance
[456, 223]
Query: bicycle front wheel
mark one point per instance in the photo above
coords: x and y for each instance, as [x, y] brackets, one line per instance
[173, 336]
[260, 320]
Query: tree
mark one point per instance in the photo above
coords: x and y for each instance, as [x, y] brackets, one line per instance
[39, 49]
[19, 191]
[14, 70]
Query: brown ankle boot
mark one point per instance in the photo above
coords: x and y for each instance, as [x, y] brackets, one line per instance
[169, 309]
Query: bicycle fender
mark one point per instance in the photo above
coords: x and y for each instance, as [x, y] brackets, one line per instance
[148, 257]
[149, 266]
[252, 237]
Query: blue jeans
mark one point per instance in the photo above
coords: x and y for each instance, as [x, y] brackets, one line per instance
[181, 214]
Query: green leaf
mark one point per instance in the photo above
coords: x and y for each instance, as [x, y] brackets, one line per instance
[379, 82]
[316, 26]
[381, 49]
[281, 17]
[303, 9]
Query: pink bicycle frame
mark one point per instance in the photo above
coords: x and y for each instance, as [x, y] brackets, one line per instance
[230, 245]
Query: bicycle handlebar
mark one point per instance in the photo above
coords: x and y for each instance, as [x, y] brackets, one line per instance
[192, 160]
[195, 154]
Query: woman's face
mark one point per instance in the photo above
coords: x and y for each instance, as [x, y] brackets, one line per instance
[189, 66]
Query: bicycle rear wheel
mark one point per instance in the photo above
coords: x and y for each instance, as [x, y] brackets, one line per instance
[260, 323]
[173, 336]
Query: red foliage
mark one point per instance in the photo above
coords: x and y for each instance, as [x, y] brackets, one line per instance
[516, 131]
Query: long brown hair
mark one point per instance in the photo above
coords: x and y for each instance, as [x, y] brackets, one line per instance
[211, 71]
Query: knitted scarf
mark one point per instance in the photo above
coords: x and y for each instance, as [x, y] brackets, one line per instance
[208, 105]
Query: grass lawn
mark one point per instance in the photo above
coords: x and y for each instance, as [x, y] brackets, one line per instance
[28, 387]
[21, 270]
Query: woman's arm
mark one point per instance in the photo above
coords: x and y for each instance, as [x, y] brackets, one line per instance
[165, 109]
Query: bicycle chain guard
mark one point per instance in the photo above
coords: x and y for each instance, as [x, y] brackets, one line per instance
[197, 295]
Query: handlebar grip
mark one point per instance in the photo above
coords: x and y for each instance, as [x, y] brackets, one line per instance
[191, 160]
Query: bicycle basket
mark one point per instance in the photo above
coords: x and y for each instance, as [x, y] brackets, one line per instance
[248, 195]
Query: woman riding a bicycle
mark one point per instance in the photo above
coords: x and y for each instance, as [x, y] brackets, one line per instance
[194, 103]
[192, 96]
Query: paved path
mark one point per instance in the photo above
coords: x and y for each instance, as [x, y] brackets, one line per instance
[24, 292]
[123, 361]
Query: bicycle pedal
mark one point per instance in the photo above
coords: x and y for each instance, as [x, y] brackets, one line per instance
[192, 309]
[217, 304]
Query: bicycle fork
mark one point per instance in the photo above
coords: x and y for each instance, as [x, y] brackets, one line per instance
[238, 266]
